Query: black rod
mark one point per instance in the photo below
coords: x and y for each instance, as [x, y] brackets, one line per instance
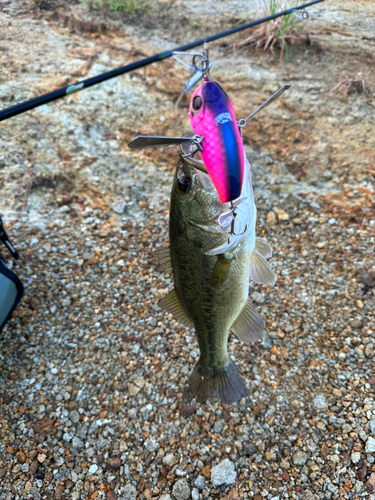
[70, 89]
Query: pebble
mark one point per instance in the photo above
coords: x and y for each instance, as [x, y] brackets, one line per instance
[320, 402]
[370, 445]
[129, 492]
[181, 490]
[200, 482]
[300, 458]
[93, 468]
[218, 426]
[271, 219]
[356, 456]
[195, 494]
[223, 473]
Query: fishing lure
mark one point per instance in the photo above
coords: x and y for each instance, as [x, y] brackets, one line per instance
[212, 117]
[217, 132]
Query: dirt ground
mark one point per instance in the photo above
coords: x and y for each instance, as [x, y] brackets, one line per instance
[83, 207]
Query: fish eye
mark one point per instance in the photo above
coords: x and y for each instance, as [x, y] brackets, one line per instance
[184, 183]
[197, 103]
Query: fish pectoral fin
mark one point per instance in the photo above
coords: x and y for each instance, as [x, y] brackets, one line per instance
[220, 271]
[260, 270]
[249, 324]
[171, 303]
[263, 247]
[164, 258]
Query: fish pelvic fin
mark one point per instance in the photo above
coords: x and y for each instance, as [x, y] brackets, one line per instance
[224, 383]
[260, 270]
[263, 247]
[171, 303]
[164, 258]
[249, 324]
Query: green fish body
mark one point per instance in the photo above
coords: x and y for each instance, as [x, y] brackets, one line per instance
[211, 270]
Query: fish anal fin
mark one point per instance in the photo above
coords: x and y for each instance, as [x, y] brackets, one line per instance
[263, 247]
[249, 324]
[171, 304]
[224, 383]
[260, 270]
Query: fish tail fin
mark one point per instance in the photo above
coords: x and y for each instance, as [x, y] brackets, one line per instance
[224, 383]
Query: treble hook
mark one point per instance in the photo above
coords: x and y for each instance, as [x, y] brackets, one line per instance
[224, 220]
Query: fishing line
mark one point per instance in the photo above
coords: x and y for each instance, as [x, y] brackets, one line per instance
[70, 89]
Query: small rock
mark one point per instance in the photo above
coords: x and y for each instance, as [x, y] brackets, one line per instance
[41, 457]
[372, 426]
[356, 456]
[218, 426]
[111, 495]
[320, 401]
[181, 490]
[200, 482]
[370, 445]
[271, 219]
[34, 466]
[187, 410]
[133, 390]
[77, 443]
[165, 497]
[258, 297]
[362, 472]
[129, 492]
[120, 207]
[59, 491]
[152, 445]
[74, 416]
[20, 456]
[299, 458]
[281, 214]
[346, 428]
[195, 494]
[34, 303]
[223, 473]
[369, 351]
[169, 460]
[114, 463]
[371, 483]
[93, 468]
[91, 261]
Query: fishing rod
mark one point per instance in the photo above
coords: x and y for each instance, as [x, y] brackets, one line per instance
[70, 89]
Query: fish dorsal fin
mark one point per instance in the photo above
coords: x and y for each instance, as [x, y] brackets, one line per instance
[171, 303]
[249, 324]
[263, 247]
[260, 270]
[164, 258]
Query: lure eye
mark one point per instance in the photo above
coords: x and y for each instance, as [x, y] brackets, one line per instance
[197, 103]
[184, 183]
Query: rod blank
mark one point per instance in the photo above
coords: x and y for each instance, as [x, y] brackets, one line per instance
[84, 84]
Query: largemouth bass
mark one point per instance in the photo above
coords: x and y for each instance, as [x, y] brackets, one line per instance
[213, 254]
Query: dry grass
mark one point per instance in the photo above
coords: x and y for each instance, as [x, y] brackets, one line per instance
[356, 83]
[280, 32]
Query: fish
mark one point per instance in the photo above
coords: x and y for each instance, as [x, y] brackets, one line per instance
[213, 254]
[212, 117]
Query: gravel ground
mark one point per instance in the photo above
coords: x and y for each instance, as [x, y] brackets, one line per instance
[92, 371]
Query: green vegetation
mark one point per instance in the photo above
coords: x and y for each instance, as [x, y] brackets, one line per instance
[127, 6]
